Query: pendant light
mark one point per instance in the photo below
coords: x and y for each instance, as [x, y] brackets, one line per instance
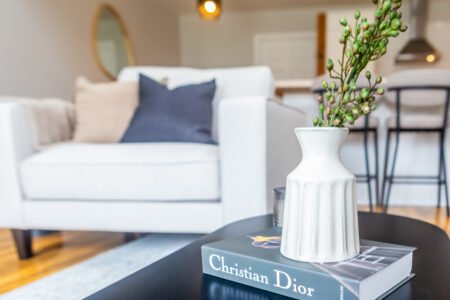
[209, 9]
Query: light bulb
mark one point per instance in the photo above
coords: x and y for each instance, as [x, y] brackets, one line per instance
[431, 58]
[209, 9]
[210, 6]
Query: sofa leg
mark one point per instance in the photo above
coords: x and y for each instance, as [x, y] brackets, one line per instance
[131, 236]
[22, 239]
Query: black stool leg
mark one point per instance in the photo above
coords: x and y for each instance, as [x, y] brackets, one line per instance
[444, 168]
[366, 154]
[377, 184]
[440, 182]
[394, 159]
[386, 160]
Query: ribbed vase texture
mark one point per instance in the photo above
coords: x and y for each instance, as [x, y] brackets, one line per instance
[320, 213]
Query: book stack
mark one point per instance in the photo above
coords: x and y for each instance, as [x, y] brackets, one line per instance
[255, 260]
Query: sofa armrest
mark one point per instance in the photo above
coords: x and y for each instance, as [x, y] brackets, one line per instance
[16, 145]
[258, 149]
[26, 126]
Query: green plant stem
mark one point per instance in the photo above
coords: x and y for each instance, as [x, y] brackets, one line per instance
[358, 48]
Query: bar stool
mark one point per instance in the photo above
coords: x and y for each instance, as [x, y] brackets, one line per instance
[365, 126]
[421, 90]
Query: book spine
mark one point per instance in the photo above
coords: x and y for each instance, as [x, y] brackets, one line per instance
[273, 277]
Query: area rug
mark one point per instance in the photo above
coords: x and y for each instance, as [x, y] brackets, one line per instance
[92, 275]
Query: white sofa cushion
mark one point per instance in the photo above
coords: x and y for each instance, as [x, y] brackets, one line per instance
[144, 171]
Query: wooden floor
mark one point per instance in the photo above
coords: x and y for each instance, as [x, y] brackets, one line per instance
[53, 252]
[433, 215]
[57, 251]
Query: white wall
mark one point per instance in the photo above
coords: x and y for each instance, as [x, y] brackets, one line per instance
[334, 29]
[46, 44]
[229, 40]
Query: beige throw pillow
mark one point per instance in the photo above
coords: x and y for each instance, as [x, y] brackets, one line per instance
[103, 110]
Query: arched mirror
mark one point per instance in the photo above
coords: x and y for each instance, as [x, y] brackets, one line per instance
[110, 40]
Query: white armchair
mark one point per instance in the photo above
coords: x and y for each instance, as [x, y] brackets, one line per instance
[153, 187]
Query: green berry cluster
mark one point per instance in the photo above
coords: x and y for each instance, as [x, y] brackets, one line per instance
[363, 43]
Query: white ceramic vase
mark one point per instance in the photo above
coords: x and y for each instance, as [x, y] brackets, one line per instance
[320, 213]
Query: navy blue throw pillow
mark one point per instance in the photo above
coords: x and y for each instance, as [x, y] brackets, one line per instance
[183, 114]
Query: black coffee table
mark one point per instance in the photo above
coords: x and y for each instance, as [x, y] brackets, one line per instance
[179, 275]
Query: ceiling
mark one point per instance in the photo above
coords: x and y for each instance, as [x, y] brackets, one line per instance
[189, 6]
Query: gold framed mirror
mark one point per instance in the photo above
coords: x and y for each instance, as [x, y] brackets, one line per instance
[110, 41]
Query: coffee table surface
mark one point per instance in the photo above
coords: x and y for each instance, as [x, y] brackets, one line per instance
[179, 275]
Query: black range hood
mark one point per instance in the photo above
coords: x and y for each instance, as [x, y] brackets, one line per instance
[418, 49]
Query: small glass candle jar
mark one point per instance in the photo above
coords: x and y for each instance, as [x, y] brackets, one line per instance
[278, 194]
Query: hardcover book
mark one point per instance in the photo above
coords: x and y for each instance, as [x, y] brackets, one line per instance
[255, 260]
